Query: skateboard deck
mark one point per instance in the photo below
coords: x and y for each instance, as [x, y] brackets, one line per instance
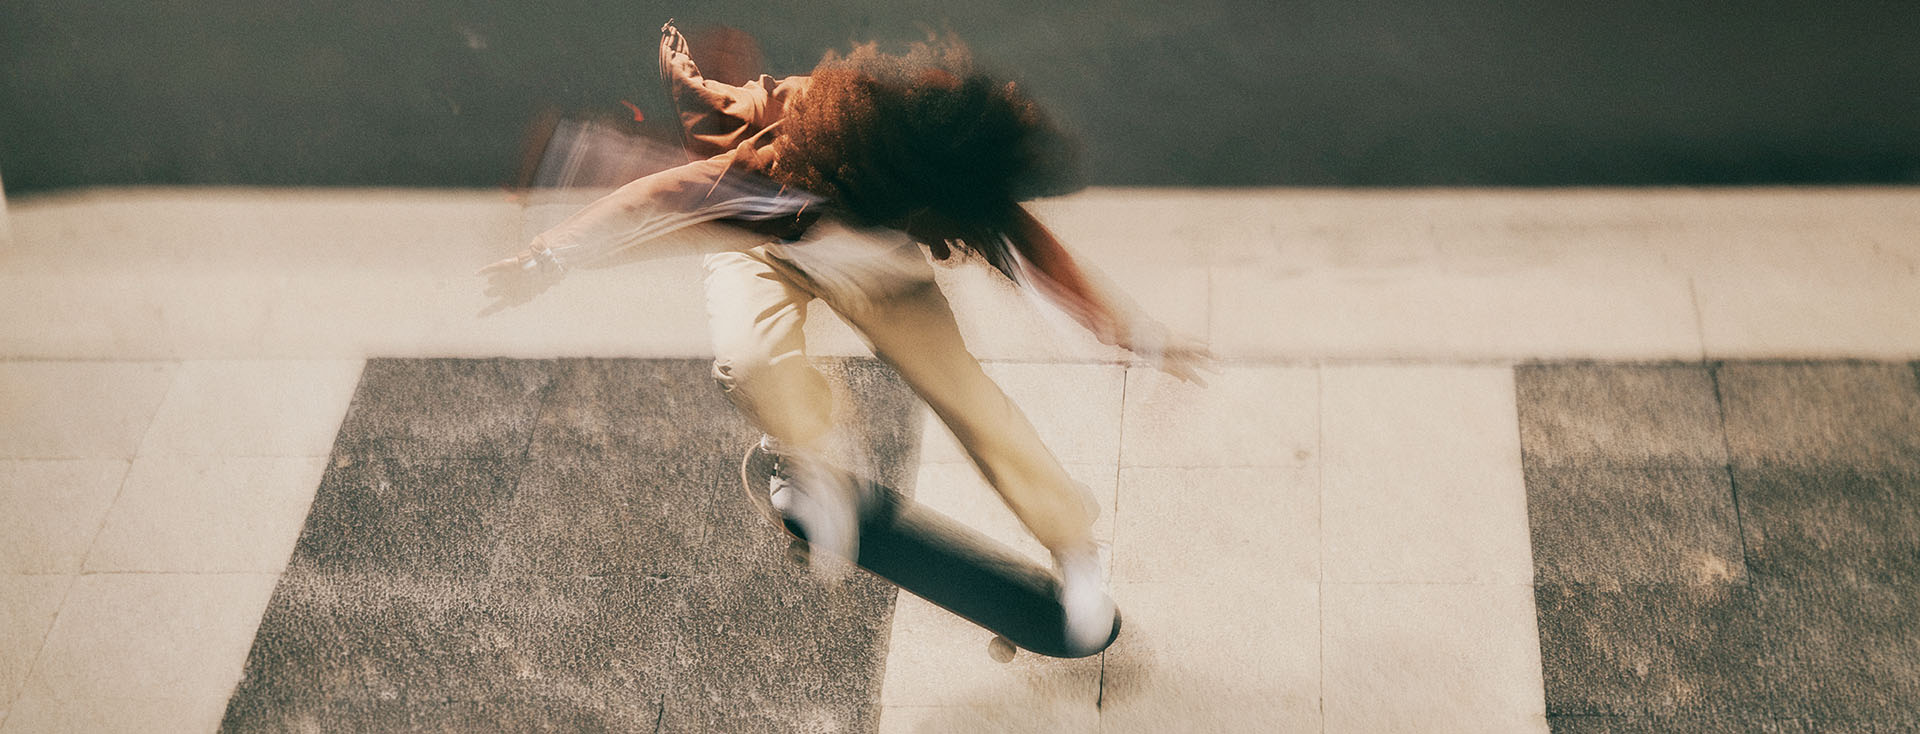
[944, 562]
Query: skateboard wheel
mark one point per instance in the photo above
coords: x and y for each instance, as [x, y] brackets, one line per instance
[1001, 649]
[798, 552]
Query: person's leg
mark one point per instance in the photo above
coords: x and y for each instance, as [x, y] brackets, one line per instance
[757, 318]
[910, 325]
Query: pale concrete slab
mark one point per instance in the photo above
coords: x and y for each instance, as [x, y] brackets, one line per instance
[655, 308]
[1245, 416]
[1215, 658]
[193, 514]
[254, 408]
[65, 410]
[1421, 477]
[280, 229]
[1431, 314]
[1074, 407]
[1218, 525]
[1008, 717]
[1788, 313]
[51, 510]
[171, 636]
[1428, 658]
[35, 714]
[27, 608]
[938, 668]
[123, 312]
[959, 492]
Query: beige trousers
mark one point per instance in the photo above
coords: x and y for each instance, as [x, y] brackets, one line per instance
[757, 301]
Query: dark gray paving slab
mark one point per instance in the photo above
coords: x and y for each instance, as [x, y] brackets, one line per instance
[1651, 650]
[1820, 649]
[373, 637]
[1815, 415]
[406, 516]
[791, 654]
[444, 408]
[1840, 648]
[581, 514]
[664, 409]
[872, 422]
[1836, 522]
[1633, 526]
[607, 574]
[1618, 415]
[610, 715]
[1703, 725]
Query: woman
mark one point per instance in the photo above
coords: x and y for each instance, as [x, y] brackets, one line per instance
[826, 187]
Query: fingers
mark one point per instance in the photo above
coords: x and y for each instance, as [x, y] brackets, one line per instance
[509, 264]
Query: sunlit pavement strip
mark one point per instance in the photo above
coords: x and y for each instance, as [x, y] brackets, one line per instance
[1334, 537]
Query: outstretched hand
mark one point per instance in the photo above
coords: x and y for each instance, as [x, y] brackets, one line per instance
[1186, 358]
[1174, 353]
[514, 281]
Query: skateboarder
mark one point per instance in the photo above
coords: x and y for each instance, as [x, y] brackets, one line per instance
[839, 187]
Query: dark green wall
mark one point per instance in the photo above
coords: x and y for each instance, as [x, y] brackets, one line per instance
[1318, 92]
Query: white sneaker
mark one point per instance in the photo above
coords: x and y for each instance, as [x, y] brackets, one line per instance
[810, 495]
[1083, 596]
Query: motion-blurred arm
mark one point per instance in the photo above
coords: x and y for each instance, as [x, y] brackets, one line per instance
[1099, 306]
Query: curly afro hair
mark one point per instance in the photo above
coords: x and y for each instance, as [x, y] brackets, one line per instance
[889, 136]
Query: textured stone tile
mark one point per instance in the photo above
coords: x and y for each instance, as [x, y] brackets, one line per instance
[405, 516]
[253, 408]
[50, 511]
[745, 651]
[372, 637]
[1228, 658]
[1704, 725]
[780, 651]
[1074, 407]
[27, 608]
[129, 714]
[1619, 415]
[1244, 416]
[1218, 525]
[878, 421]
[667, 409]
[936, 659]
[574, 515]
[1816, 415]
[1837, 522]
[654, 408]
[1431, 658]
[1634, 526]
[1840, 648]
[1420, 477]
[444, 408]
[1652, 650]
[179, 636]
[198, 514]
[582, 712]
[63, 410]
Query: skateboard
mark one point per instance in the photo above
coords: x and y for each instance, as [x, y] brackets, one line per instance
[944, 562]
